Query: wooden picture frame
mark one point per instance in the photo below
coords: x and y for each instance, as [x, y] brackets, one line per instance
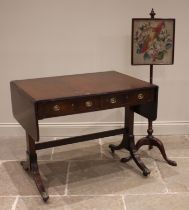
[152, 41]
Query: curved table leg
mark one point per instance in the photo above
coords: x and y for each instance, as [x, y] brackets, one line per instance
[138, 161]
[31, 166]
[122, 145]
[34, 171]
[129, 144]
[135, 156]
[117, 147]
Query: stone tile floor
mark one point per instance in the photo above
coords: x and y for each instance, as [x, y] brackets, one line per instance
[86, 176]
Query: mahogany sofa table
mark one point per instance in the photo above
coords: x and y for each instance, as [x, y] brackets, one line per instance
[36, 99]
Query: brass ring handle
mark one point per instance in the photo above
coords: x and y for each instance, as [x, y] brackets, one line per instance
[56, 108]
[88, 103]
[113, 100]
[140, 96]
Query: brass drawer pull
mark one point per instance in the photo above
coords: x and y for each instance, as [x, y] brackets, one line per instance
[88, 103]
[56, 108]
[113, 100]
[140, 96]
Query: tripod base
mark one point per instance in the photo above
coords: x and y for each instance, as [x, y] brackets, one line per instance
[152, 141]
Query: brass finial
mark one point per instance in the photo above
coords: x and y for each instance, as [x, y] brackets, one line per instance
[152, 13]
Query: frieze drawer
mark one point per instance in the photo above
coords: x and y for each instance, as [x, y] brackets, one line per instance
[47, 109]
[133, 98]
[113, 101]
[140, 97]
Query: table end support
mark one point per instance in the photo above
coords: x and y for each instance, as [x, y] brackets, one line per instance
[31, 166]
[128, 144]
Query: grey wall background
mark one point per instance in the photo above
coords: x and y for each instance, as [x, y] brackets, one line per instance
[40, 38]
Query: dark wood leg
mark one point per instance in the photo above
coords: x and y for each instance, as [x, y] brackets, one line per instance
[31, 166]
[135, 156]
[124, 143]
[128, 142]
[118, 147]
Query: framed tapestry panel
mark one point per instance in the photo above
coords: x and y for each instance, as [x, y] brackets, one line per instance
[152, 41]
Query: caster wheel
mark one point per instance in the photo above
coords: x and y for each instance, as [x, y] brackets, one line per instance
[24, 165]
[146, 172]
[172, 163]
[111, 146]
[45, 196]
[125, 160]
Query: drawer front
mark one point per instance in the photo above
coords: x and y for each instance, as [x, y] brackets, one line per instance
[54, 109]
[140, 97]
[72, 106]
[87, 105]
[131, 99]
[113, 101]
[66, 107]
